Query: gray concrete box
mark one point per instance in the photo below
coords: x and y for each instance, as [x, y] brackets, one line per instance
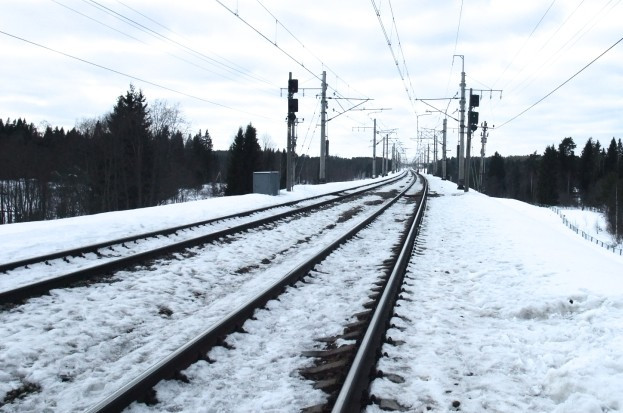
[266, 183]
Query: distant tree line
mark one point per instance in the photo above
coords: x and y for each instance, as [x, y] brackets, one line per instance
[558, 177]
[138, 155]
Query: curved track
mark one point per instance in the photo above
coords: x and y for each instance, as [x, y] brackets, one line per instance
[114, 322]
[353, 388]
[32, 277]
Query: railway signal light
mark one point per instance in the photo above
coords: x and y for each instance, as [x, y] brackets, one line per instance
[474, 101]
[293, 105]
[293, 87]
[473, 120]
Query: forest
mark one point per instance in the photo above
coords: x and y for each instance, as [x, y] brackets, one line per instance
[594, 179]
[136, 156]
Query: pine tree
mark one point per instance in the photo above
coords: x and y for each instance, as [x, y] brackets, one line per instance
[235, 172]
[496, 175]
[567, 167]
[547, 189]
[129, 126]
[610, 162]
[252, 157]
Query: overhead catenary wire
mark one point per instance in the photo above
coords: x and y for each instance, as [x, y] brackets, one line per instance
[391, 49]
[98, 22]
[552, 57]
[561, 85]
[202, 56]
[274, 43]
[127, 75]
[456, 42]
[139, 40]
[404, 60]
[545, 43]
[525, 42]
[224, 59]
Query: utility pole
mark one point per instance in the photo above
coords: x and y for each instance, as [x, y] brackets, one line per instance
[443, 148]
[393, 157]
[387, 153]
[376, 132]
[461, 180]
[322, 176]
[435, 153]
[384, 163]
[383, 156]
[374, 150]
[293, 106]
[427, 157]
[483, 140]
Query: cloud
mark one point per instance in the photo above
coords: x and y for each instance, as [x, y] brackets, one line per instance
[202, 50]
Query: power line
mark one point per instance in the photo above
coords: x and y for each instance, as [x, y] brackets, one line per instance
[554, 56]
[458, 28]
[98, 22]
[127, 20]
[139, 40]
[324, 65]
[526, 41]
[456, 41]
[249, 73]
[546, 43]
[562, 84]
[404, 60]
[126, 75]
[274, 43]
[391, 49]
[145, 16]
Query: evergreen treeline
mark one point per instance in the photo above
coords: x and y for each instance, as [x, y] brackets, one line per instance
[135, 156]
[558, 177]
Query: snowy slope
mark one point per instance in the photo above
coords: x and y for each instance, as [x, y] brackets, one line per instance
[592, 223]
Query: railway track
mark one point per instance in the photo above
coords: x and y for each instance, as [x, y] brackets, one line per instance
[350, 367]
[142, 316]
[34, 276]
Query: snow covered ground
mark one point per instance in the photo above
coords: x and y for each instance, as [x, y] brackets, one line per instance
[78, 345]
[29, 239]
[260, 373]
[507, 310]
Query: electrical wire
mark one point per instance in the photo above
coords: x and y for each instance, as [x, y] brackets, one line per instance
[546, 43]
[126, 75]
[562, 84]
[215, 62]
[177, 34]
[556, 55]
[458, 28]
[525, 42]
[404, 60]
[456, 42]
[274, 43]
[141, 41]
[391, 49]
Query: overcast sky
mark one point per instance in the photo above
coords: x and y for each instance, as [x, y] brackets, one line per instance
[224, 74]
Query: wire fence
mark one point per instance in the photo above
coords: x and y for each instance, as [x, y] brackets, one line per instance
[586, 236]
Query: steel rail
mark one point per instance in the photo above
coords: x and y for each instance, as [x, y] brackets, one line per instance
[5, 267]
[353, 393]
[42, 287]
[196, 349]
